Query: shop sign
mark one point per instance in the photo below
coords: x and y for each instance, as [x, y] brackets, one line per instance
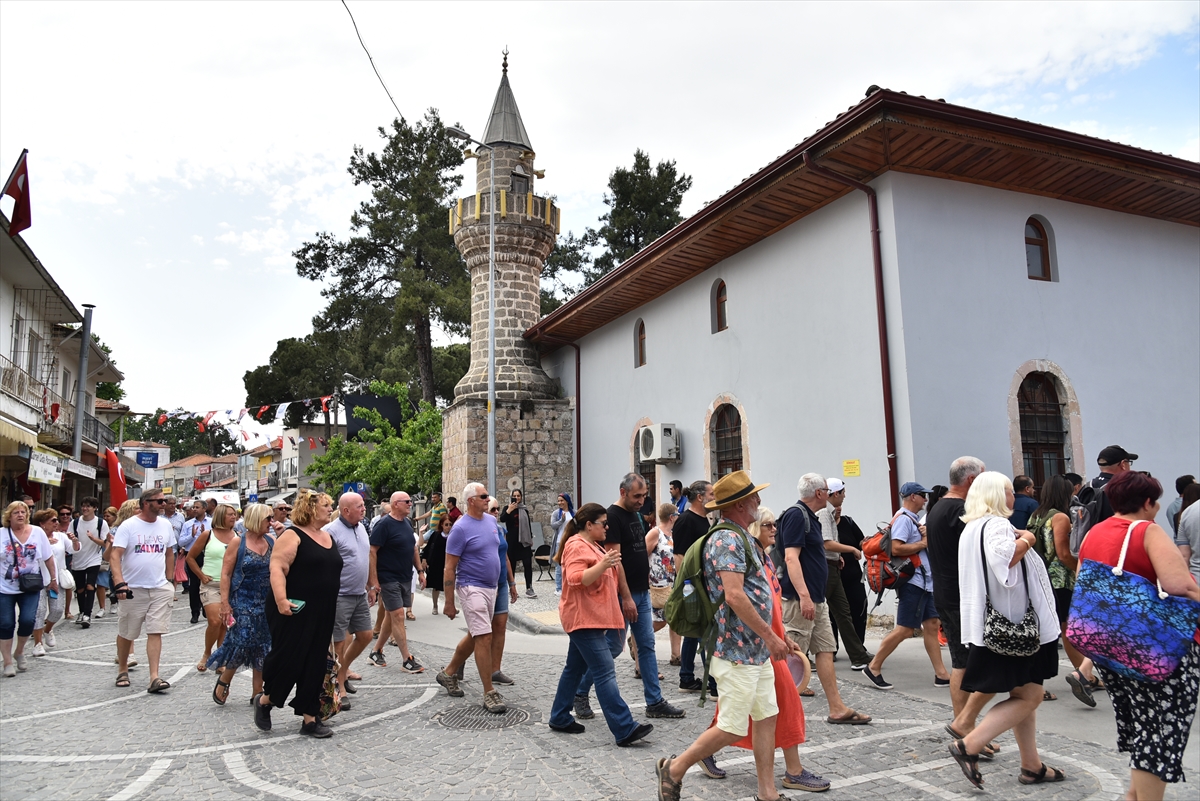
[45, 467]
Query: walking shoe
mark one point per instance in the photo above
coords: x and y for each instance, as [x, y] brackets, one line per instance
[493, 703]
[499, 678]
[316, 729]
[100, 614]
[664, 710]
[529, 593]
[85, 621]
[411, 665]
[22, 662]
[690, 685]
[807, 780]
[10, 670]
[638, 733]
[458, 674]
[262, 714]
[195, 619]
[350, 688]
[940, 682]
[668, 788]
[377, 659]
[39, 649]
[583, 710]
[708, 766]
[450, 683]
[49, 640]
[859, 667]
[877, 680]
[570, 728]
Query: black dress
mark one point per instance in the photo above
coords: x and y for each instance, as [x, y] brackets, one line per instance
[300, 641]
[434, 555]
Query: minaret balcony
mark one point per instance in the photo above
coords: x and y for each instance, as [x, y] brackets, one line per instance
[522, 209]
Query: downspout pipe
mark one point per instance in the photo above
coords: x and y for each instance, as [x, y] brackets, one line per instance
[84, 341]
[885, 362]
[578, 416]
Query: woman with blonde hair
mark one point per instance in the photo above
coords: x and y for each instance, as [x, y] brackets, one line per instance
[23, 550]
[213, 544]
[1001, 575]
[306, 571]
[245, 583]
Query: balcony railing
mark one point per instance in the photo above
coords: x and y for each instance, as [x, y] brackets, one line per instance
[97, 433]
[53, 429]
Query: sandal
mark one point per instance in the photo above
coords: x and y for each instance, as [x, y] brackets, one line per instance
[123, 679]
[852, 719]
[220, 684]
[668, 788]
[409, 615]
[158, 685]
[1041, 776]
[202, 665]
[1081, 688]
[1049, 696]
[807, 693]
[989, 751]
[968, 762]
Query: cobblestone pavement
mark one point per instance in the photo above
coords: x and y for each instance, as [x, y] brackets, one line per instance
[67, 733]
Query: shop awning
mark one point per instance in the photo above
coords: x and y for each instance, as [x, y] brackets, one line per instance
[274, 499]
[12, 435]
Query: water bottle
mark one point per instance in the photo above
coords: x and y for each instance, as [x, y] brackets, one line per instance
[688, 589]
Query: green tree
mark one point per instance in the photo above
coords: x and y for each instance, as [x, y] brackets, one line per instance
[569, 258]
[385, 459]
[297, 370]
[643, 205]
[181, 434]
[399, 273]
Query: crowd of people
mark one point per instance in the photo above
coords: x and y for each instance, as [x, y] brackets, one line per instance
[287, 592]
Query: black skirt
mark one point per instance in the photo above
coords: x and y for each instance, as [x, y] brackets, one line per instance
[989, 672]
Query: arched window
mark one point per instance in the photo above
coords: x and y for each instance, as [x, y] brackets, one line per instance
[720, 319]
[639, 344]
[727, 441]
[1043, 431]
[1037, 250]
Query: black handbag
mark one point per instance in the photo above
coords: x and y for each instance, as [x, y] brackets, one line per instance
[26, 582]
[1001, 635]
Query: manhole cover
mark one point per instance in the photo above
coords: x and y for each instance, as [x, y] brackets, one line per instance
[476, 718]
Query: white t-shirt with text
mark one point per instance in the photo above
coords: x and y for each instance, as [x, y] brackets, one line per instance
[89, 553]
[144, 560]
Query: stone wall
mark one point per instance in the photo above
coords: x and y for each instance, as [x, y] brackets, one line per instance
[535, 442]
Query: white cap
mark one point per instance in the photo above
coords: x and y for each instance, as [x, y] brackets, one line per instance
[835, 485]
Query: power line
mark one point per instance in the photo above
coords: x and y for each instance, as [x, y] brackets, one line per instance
[368, 52]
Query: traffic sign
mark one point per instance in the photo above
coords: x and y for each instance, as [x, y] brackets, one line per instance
[252, 497]
[354, 486]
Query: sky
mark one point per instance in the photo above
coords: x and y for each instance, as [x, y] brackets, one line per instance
[179, 152]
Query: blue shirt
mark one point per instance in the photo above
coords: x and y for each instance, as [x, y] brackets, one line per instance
[905, 530]
[1023, 507]
[812, 553]
[474, 543]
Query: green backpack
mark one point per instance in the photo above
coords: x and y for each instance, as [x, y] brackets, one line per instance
[689, 610]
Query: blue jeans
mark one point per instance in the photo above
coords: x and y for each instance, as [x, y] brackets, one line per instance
[643, 635]
[687, 659]
[590, 653]
[558, 578]
[28, 603]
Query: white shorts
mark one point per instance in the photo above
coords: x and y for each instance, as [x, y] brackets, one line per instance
[747, 691]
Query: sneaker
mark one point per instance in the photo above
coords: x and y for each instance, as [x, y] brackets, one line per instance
[570, 728]
[859, 667]
[940, 682]
[316, 729]
[85, 621]
[50, 641]
[262, 714]
[100, 614]
[411, 665]
[807, 780]
[583, 710]
[690, 685]
[529, 593]
[877, 680]
[377, 659]
[22, 662]
[10, 670]
[450, 683]
[499, 678]
[664, 710]
[708, 766]
[350, 688]
[558, 593]
[493, 703]
[39, 649]
[638, 733]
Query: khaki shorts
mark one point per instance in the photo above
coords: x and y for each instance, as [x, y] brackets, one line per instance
[149, 607]
[747, 692]
[210, 593]
[813, 636]
[477, 605]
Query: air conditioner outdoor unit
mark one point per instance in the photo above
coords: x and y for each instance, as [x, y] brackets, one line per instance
[658, 443]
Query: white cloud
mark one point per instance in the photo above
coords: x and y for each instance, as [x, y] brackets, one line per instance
[1190, 150]
[199, 240]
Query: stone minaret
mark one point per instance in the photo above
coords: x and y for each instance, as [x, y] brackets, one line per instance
[535, 429]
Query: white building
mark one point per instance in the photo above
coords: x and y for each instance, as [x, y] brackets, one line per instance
[1031, 295]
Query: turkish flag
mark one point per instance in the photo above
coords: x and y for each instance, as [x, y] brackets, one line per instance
[18, 189]
[162, 418]
[325, 402]
[312, 443]
[116, 478]
[261, 412]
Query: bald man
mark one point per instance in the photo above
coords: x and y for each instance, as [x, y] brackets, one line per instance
[394, 556]
[352, 623]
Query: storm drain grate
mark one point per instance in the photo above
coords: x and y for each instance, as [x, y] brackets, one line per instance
[476, 718]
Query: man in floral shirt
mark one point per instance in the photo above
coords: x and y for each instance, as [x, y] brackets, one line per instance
[741, 659]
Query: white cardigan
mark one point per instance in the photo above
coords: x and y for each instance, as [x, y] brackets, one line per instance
[1006, 586]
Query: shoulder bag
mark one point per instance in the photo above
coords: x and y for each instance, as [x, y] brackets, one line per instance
[26, 582]
[1128, 625]
[1001, 635]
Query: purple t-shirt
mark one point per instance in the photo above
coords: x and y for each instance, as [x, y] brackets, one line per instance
[477, 545]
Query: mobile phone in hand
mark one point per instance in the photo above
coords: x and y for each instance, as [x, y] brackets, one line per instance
[297, 606]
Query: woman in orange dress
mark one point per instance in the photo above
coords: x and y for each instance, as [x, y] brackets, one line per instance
[789, 726]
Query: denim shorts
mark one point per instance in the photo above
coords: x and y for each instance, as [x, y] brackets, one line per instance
[501, 600]
[914, 606]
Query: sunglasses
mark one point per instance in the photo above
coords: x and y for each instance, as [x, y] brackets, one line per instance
[482, 497]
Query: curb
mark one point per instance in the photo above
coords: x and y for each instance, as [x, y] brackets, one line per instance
[522, 622]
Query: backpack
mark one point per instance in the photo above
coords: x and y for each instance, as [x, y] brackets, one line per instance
[1092, 508]
[689, 610]
[885, 572]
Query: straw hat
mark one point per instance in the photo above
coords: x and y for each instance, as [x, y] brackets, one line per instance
[732, 488]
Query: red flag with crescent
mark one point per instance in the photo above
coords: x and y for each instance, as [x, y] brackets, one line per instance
[116, 478]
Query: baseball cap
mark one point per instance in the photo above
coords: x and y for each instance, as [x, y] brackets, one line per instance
[912, 488]
[1115, 454]
[835, 485]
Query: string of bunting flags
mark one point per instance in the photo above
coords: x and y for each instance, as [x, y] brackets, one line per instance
[232, 422]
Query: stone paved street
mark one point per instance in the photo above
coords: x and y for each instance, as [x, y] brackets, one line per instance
[67, 733]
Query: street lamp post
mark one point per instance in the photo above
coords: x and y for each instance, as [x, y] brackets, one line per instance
[459, 133]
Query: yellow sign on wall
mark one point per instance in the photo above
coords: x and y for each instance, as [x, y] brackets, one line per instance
[851, 468]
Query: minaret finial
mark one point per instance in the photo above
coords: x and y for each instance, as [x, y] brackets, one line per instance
[505, 59]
